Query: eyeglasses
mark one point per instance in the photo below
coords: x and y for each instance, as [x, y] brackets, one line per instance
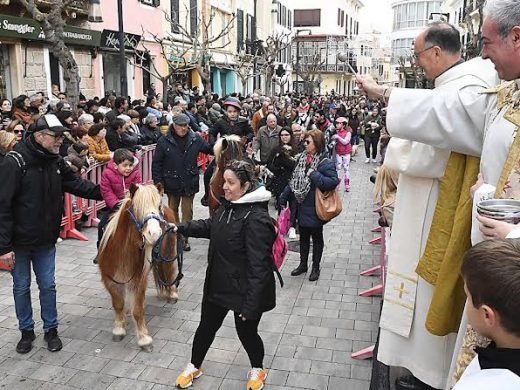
[307, 142]
[55, 136]
[18, 131]
[416, 55]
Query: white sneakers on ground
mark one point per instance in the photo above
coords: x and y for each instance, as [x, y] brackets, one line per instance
[292, 233]
[367, 161]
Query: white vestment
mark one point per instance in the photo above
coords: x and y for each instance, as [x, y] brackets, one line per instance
[455, 105]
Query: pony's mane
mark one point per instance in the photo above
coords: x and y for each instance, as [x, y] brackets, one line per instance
[232, 151]
[146, 199]
[218, 148]
[111, 226]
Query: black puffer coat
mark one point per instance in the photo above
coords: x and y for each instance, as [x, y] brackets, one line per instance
[240, 274]
[223, 127]
[176, 169]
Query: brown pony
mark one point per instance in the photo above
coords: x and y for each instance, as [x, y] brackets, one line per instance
[125, 257]
[226, 149]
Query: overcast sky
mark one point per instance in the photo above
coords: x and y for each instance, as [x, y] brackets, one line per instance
[376, 15]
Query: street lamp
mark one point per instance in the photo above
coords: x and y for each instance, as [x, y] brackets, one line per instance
[122, 58]
[298, 31]
[94, 12]
[438, 17]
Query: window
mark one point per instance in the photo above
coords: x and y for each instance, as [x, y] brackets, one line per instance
[194, 17]
[175, 15]
[346, 24]
[342, 18]
[339, 17]
[240, 30]
[153, 3]
[289, 19]
[307, 17]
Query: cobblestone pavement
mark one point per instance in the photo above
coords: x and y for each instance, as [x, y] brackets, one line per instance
[308, 337]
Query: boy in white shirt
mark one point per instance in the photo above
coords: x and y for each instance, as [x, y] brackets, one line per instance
[491, 273]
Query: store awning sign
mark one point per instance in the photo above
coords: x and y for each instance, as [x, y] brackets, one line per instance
[110, 40]
[24, 28]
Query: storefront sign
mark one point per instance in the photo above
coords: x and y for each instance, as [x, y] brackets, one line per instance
[23, 28]
[110, 40]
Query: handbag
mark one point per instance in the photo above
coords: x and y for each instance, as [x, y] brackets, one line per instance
[328, 204]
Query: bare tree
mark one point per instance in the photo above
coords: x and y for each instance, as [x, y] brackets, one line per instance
[244, 68]
[173, 55]
[53, 24]
[473, 46]
[310, 72]
[274, 45]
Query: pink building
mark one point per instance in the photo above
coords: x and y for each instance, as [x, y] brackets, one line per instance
[138, 16]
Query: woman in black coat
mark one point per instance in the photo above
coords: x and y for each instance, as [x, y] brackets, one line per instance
[313, 170]
[240, 275]
[281, 163]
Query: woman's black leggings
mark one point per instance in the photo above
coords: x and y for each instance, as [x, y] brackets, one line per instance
[305, 243]
[371, 142]
[211, 318]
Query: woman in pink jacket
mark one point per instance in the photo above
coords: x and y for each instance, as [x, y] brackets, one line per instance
[120, 172]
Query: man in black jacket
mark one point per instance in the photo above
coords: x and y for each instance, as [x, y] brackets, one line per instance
[175, 166]
[34, 179]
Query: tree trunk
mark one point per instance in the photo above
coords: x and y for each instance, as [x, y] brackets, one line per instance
[164, 81]
[53, 28]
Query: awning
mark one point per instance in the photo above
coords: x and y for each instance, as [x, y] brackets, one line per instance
[24, 28]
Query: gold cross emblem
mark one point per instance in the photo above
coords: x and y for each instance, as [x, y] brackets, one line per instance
[401, 290]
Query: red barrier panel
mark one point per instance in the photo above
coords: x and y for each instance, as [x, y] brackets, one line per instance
[88, 209]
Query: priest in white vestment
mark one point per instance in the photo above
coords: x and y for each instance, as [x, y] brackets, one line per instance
[501, 44]
[404, 340]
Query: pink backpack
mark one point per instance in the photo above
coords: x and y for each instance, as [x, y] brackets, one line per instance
[279, 251]
[284, 221]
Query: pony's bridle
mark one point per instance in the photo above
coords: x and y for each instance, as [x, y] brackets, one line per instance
[157, 257]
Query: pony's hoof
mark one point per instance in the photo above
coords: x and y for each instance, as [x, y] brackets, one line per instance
[173, 298]
[145, 343]
[147, 348]
[118, 337]
[118, 334]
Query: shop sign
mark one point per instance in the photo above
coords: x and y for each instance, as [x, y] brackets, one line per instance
[24, 28]
[110, 40]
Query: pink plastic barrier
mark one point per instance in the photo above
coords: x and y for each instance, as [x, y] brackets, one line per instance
[91, 208]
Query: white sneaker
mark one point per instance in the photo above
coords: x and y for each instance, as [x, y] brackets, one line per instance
[292, 233]
[374, 160]
[367, 161]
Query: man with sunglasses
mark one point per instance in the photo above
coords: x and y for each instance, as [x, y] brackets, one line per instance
[457, 105]
[34, 178]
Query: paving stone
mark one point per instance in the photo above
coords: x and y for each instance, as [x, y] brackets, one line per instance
[54, 374]
[291, 364]
[123, 369]
[313, 354]
[336, 383]
[125, 384]
[87, 363]
[308, 381]
[90, 380]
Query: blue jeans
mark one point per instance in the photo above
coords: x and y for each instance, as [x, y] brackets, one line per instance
[43, 263]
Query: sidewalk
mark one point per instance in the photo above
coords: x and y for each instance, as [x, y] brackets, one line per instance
[308, 337]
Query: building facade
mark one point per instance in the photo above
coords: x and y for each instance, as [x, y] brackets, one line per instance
[322, 31]
[26, 63]
[409, 19]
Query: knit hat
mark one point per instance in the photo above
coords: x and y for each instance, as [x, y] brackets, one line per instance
[6, 139]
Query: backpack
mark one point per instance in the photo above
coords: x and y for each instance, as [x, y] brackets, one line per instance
[19, 160]
[279, 251]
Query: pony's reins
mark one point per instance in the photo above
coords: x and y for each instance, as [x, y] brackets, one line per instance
[157, 258]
